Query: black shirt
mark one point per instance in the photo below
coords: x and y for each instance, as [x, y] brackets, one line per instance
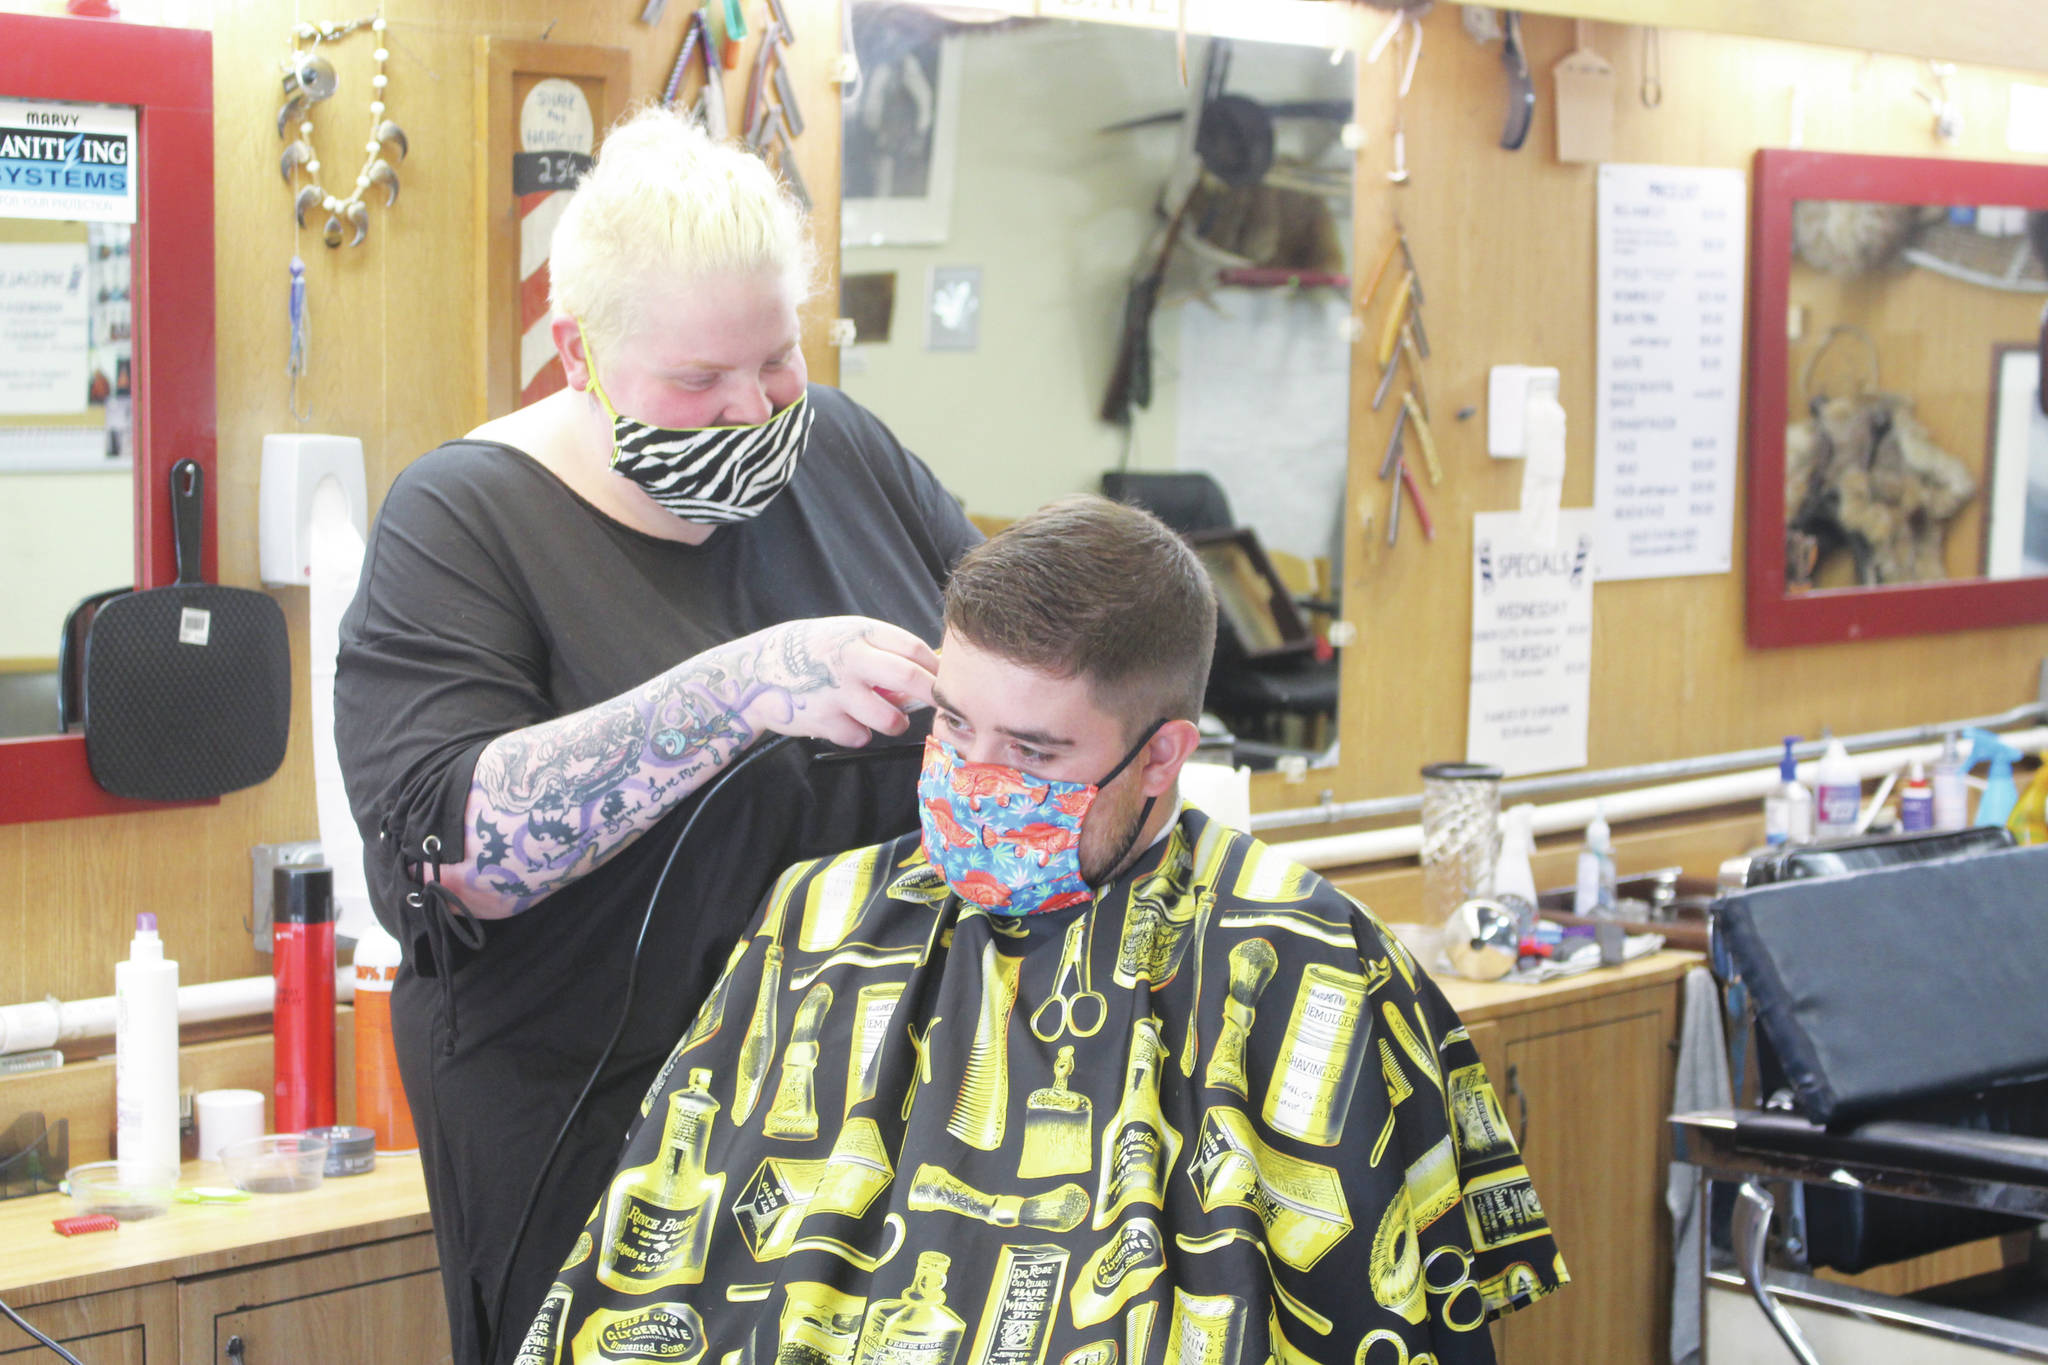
[494, 598]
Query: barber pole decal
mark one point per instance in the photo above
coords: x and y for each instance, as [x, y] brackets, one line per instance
[556, 137]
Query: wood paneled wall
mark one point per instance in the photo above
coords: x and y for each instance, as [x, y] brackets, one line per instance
[1505, 241]
[394, 359]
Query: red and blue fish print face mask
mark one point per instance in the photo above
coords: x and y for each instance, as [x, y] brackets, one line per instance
[1005, 840]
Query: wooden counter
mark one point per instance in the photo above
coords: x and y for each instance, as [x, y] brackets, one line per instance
[38, 1265]
[346, 1272]
[1481, 1000]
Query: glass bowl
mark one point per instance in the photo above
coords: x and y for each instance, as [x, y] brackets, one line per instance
[279, 1163]
[124, 1189]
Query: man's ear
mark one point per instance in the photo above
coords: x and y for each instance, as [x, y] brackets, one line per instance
[1170, 747]
[568, 339]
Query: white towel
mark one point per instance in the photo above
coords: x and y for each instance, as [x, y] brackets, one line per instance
[1701, 1082]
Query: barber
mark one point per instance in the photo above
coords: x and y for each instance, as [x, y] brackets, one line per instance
[568, 622]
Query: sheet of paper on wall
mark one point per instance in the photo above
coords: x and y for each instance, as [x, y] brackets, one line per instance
[45, 320]
[1264, 407]
[65, 161]
[1668, 389]
[1532, 643]
[2026, 120]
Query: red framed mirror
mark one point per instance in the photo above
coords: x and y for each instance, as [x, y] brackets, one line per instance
[166, 75]
[1882, 289]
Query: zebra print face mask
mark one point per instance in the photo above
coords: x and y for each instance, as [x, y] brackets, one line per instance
[710, 475]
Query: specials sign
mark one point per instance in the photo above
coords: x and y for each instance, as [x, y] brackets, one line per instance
[1532, 643]
[67, 161]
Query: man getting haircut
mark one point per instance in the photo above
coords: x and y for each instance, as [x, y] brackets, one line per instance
[1073, 1074]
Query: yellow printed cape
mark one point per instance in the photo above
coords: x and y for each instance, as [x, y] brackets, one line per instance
[1218, 1115]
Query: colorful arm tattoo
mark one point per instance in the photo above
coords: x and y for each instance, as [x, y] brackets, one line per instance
[550, 803]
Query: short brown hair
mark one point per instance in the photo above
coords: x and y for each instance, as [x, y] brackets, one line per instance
[1086, 587]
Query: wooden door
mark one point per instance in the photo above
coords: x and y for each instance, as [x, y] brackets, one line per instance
[375, 1303]
[1595, 1099]
[125, 1327]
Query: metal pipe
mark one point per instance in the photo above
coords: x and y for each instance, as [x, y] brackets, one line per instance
[46, 1023]
[1527, 788]
[1405, 841]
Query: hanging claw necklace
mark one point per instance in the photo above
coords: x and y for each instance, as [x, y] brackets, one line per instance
[309, 78]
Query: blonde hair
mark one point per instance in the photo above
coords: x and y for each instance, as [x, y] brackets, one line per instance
[666, 203]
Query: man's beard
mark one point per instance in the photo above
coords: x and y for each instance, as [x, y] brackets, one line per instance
[1110, 834]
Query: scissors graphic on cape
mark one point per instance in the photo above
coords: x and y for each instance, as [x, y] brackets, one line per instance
[1080, 1011]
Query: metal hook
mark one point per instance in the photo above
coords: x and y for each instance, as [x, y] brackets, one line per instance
[1521, 89]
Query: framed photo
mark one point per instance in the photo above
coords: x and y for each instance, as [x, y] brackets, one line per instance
[2016, 484]
[902, 130]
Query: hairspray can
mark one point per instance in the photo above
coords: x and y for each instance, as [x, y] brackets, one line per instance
[380, 1099]
[302, 956]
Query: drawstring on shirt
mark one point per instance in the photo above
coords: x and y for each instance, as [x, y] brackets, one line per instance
[443, 914]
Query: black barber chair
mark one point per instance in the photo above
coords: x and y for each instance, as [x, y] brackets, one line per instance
[1901, 1025]
[1269, 664]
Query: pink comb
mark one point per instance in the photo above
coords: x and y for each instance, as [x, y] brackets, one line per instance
[85, 1222]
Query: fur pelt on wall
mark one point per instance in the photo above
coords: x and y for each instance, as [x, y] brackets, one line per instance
[1863, 475]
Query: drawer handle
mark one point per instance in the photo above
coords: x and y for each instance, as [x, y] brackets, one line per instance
[235, 1349]
[1521, 1099]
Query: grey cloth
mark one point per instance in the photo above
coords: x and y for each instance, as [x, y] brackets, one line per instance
[1701, 1083]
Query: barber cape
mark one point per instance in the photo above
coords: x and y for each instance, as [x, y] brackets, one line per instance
[1219, 1115]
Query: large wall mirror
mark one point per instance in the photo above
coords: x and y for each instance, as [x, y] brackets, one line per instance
[1898, 442]
[106, 356]
[1004, 184]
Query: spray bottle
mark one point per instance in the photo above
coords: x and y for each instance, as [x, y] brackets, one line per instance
[1951, 793]
[380, 1099]
[1594, 896]
[1838, 793]
[1995, 805]
[1788, 810]
[2029, 819]
[1514, 881]
[146, 1052]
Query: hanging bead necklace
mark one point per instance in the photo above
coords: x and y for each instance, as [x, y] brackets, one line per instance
[309, 78]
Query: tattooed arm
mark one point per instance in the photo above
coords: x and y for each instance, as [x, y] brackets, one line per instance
[550, 803]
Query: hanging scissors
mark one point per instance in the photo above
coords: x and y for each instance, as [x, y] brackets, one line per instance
[1072, 963]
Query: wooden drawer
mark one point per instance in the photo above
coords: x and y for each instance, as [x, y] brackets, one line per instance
[123, 1327]
[369, 1303]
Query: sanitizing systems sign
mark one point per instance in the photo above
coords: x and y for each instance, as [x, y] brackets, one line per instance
[67, 161]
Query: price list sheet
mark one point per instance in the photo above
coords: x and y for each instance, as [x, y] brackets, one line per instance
[1669, 398]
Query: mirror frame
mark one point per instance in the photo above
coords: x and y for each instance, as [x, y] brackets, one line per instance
[1831, 614]
[167, 75]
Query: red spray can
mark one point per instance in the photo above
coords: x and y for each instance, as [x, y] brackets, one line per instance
[302, 956]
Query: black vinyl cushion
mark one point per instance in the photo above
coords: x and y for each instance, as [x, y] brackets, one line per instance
[1902, 984]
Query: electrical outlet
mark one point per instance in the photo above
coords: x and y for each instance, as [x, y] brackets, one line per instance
[263, 860]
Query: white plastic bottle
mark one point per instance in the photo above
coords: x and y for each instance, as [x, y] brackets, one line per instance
[1514, 881]
[1951, 794]
[1594, 895]
[1788, 810]
[146, 1052]
[1916, 800]
[1838, 793]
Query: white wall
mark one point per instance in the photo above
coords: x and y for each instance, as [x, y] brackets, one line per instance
[62, 537]
[1055, 214]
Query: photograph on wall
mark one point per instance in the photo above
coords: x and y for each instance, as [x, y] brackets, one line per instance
[902, 125]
